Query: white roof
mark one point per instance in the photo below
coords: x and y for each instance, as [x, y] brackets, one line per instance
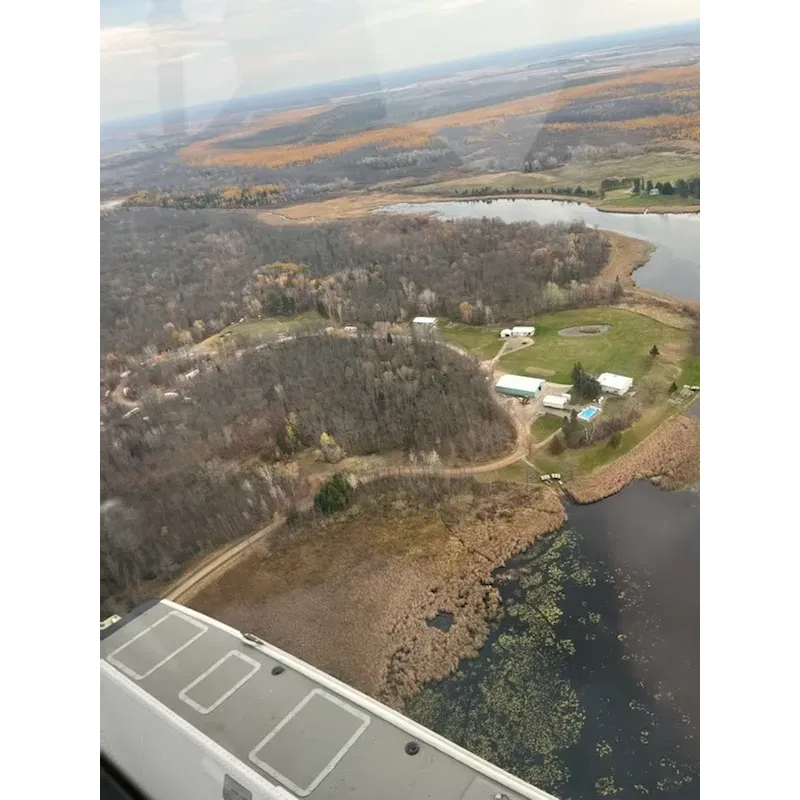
[520, 382]
[615, 381]
[523, 328]
[425, 320]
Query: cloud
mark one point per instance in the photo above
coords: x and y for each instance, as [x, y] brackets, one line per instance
[244, 46]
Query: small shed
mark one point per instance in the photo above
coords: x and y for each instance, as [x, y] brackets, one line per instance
[425, 321]
[519, 386]
[615, 384]
[505, 333]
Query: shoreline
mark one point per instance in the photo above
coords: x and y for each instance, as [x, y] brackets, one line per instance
[361, 203]
[669, 457]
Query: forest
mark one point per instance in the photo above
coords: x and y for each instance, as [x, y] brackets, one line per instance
[185, 476]
[174, 277]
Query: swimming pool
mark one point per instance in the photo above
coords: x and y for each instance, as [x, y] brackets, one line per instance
[588, 413]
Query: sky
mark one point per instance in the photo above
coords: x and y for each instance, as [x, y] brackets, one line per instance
[235, 48]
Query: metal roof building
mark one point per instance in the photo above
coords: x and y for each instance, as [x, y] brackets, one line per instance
[424, 320]
[614, 384]
[519, 386]
[192, 709]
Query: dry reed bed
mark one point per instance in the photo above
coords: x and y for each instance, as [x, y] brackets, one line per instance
[352, 595]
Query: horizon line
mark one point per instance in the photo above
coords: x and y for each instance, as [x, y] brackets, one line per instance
[378, 75]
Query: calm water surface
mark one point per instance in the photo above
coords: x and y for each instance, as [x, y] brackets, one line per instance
[673, 268]
[588, 685]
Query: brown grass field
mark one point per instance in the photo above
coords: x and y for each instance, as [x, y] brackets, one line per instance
[419, 133]
[352, 594]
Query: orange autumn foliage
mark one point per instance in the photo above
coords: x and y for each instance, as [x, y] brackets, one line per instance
[680, 80]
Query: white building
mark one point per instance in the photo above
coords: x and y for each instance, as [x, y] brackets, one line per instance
[427, 321]
[519, 386]
[560, 401]
[615, 384]
[517, 330]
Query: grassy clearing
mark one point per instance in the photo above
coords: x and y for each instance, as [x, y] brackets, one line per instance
[483, 341]
[572, 463]
[651, 166]
[544, 426]
[258, 330]
[623, 349]
[623, 199]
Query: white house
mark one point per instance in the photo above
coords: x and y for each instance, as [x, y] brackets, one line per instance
[615, 384]
[427, 321]
[654, 193]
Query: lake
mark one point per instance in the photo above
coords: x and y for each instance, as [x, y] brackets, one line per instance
[673, 268]
[588, 685]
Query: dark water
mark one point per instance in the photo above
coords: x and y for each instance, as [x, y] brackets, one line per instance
[673, 268]
[443, 621]
[588, 685]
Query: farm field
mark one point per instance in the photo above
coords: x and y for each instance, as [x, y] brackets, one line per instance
[623, 349]
[655, 166]
[304, 139]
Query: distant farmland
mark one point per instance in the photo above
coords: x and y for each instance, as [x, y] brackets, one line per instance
[659, 102]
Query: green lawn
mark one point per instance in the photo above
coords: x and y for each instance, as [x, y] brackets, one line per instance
[484, 342]
[544, 425]
[623, 349]
[623, 199]
[581, 461]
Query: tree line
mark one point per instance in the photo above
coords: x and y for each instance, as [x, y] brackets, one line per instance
[171, 278]
[683, 188]
[488, 191]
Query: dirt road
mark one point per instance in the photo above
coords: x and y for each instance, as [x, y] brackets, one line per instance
[230, 555]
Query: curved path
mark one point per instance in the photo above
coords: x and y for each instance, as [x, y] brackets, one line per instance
[230, 555]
